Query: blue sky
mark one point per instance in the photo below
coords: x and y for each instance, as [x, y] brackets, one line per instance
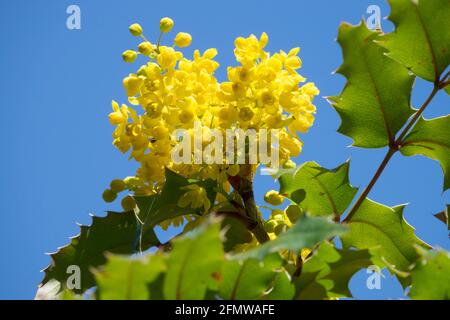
[57, 85]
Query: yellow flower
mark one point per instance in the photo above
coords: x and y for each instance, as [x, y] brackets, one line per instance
[195, 197]
[119, 115]
[171, 91]
[248, 50]
[165, 24]
[132, 84]
[183, 39]
[167, 57]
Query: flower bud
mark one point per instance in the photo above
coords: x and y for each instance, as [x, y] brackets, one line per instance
[294, 213]
[183, 39]
[117, 185]
[128, 203]
[129, 56]
[280, 228]
[166, 24]
[273, 197]
[270, 225]
[289, 164]
[146, 48]
[109, 195]
[135, 29]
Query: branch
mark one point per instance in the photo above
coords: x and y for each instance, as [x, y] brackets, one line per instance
[393, 148]
[244, 186]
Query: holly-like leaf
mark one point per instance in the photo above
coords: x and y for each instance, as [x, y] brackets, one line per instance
[421, 40]
[127, 279]
[377, 226]
[375, 102]
[194, 264]
[248, 279]
[431, 138]
[115, 233]
[156, 208]
[306, 233]
[431, 276]
[327, 192]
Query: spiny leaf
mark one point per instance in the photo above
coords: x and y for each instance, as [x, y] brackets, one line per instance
[127, 279]
[443, 216]
[431, 276]
[156, 208]
[115, 233]
[194, 264]
[377, 226]
[431, 138]
[375, 102]
[306, 233]
[421, 40]
[326, 191]
[248, 279]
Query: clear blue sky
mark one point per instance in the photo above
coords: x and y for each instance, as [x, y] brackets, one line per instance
[57, 86]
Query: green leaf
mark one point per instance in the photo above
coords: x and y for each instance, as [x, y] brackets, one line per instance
[127, 279]
[377, 226]
[194, 264]
[159, 207]
[326, 191]
[431, 276]
[235, 233]
[375, 102]
[447, 89]
[350, 262]
[310, 285]
[248, 279]
[327, 273]
[115, 233]
[431, 138]
[421, 40]
[282, 288]
[306, 233]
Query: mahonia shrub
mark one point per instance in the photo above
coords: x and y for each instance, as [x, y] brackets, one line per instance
[225, 249]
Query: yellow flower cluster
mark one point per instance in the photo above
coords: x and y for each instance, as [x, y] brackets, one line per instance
[171, 91]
